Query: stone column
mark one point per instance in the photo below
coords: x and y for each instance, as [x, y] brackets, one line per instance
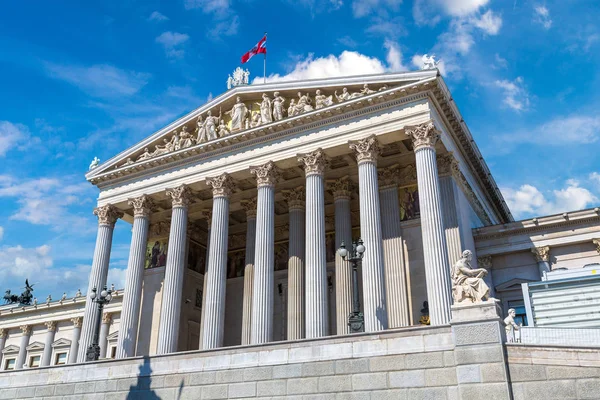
[104, 329]
[341, 189]
[264, 257]
[47, 355]
[207, 214]
[250, 207]
[77, 322]
[542, 256]
[26, 334]
[214, 316]
[447, 164]
[130, 312]
[295, 289]
[393, 249]
[375, 307]
[435, 251]
[3, 335]
[316, 311]
[170, 312]
[107, 216]
[486, 262]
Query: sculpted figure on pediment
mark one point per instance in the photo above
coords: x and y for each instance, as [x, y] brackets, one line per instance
[144, 156]
[238, 114]
[223, 129]
[384, 87]
[175, 140]
[160, 150]
[186, 138]
[365, 91]
[292, 108]
[256, 120]
[321, 100]
[207, 130]
[347, 95]
[265, 109]
[278, 107]
[303, 104]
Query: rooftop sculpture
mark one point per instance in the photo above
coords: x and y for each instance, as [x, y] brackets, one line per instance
[25, 297]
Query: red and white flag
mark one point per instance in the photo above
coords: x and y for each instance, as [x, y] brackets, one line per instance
[260, 48]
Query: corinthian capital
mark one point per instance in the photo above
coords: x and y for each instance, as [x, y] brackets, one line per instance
[222, 185]
[266, 175]
[388, 177]
[341, 188]
[3, 333]
[423, 135]
[142, 206]
[249, 206]
[542, 254]
[447, 164]
[51, 325]
[107, 318]
[180, 196]
[26, 329]
[485, 262]
[107, 215]
[366, 150]
[314, 163]
[77, 322]
[294, 197]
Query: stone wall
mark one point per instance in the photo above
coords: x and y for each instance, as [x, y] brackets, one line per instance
[554, 372]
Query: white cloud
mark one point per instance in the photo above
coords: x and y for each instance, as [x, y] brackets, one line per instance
[430, 12]
[157, 17]
[499, 62]
[460, 8]
[541, 16]
[1, 233]
[221, 20]
[516, 95]
[11, 136]
[100, 80]
[208, 6]
[595, 178]
[361, 8]
[346, 64]
[224, 28]
[173, 43]
[47, 201]
[488, 22]
[529, 201]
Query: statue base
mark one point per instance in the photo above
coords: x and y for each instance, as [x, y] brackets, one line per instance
[471, 312]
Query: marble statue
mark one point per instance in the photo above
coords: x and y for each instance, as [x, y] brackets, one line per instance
[63, 298]
[384, 87]
[187, 140]
[238, 114]
[303, 104]
[265, 109]
[209, 128]
[240, 77]
[278, 107]
[346, 95]
[255, 120]
[78, 294]
[292, 108]
[112, 287]
[94, 163]
[176, 141]
[429, 62]
[160, 150]
[365, 91]
[321, 100]
[48, 299]
[223, 129]
[229, 82]
[468, 283]
[35, 301]
[512, 329]
[129, 161]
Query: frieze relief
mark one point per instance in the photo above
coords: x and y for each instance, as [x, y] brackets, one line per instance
[244, 115]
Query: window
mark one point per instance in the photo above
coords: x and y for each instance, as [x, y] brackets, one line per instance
[9, 364]
[113, 352]
[34, 361]
[60, 359]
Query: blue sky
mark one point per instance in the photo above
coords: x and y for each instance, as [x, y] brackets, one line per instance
[85, 79]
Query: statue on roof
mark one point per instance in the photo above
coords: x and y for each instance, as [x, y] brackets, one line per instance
[429, 62]
[278, 107]
[94, 163]
[238, 115]
[240, 77]
[265, 109]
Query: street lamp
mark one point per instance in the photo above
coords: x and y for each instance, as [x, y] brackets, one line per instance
[93, 351]
[356, 320]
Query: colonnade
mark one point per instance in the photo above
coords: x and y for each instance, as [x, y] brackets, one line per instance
[385, 291]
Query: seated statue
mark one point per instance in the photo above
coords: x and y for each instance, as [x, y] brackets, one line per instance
[468, 283]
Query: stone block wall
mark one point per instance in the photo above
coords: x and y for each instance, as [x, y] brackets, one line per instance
[554, 372]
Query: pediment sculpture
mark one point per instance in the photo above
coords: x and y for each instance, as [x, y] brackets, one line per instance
[242, 116]
[467, 283]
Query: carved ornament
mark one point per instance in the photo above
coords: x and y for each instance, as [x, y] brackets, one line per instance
[107, 318]
[295, 198]
[142, 206]
[314, 163]
[222, 185]
[388, 177]
[407, 176]
[423, 135]
[249, 205]
[597, 243]
[3, 333]
[266, 175]
[366, 150]
[180, 196]
[542, 254]
[160, 228]
[51, 325]
[447, 164]
[26, 329]
[107, 215]
[341, 188]
[485, 262]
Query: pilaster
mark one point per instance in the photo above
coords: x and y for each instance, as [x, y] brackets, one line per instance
[542, 257]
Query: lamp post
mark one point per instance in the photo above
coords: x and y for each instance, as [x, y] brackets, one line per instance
[93, 351]
[356, 320]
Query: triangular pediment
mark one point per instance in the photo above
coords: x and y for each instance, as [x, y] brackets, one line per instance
[513, 284]
[10, 349]
[246, 112]
[35, 346]
[61, 343]
[113, 336]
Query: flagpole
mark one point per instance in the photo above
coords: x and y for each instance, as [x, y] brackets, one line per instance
[265, 66]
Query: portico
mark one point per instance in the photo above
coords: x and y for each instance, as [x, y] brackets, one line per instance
[283, 196]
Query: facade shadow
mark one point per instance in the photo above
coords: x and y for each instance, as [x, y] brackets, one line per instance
[142, 390]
